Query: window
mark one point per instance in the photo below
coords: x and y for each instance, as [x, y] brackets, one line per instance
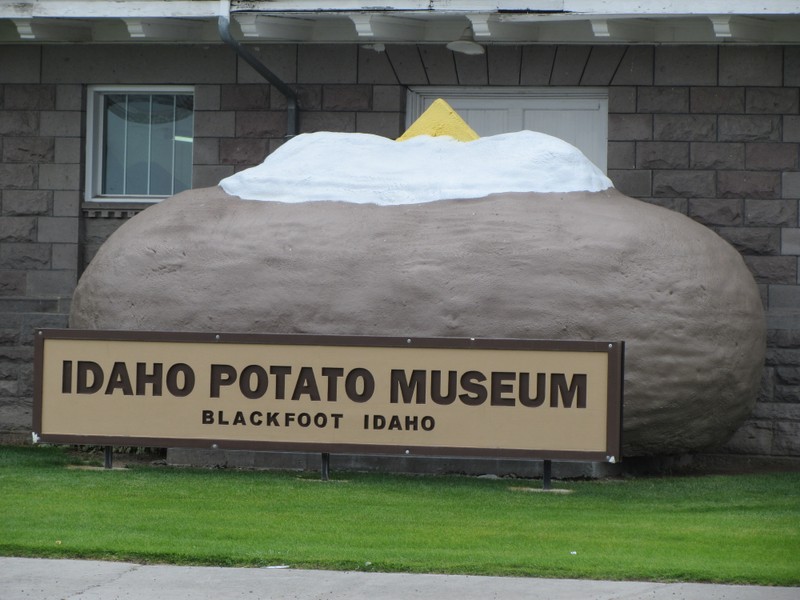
[576, 115]
[139, 142]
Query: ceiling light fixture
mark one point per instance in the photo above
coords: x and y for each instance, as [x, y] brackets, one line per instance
[466, 44]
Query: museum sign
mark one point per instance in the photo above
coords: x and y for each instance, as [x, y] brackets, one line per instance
[334, 394]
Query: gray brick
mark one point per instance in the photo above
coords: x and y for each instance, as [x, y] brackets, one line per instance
[275, 143]
[537, 65]
[281, 59]
[65, 123]
[65, 256]
[58, 229]
[59, 177]
[387, 124]
[374, 67]
[242, 151]
[622, 100]
[771, 156]
[346, 97]
[19, 123]
[663, 100]
[787, 394]
[327, 63]
[780, 356]
[791, 185]
[773, 101]
[8, 337]
[20, 63]
[207, 97]
[17, 229]
[636, 67]
[715, 211]
[214, 123]
[309, 97]
[788, 375]
[440, 65]
[388, 98]
[748, 184]
[66, 203]
[407, 63]
[504, 64]
[51, 283]
[763, 292]
[569, 65]
[690, 128]
[630, 127]
[633, 183]
[751, 128]
[30, 97]
[777, 410]
[662, 155]
[787, 437]
[471, 69]
[753, 241]
[28, 149]
[138, 64]
[791, 129]
[18, 176]
[771, 213]
[751, 65]
[602, 64]
[24, 256]
[26, 202]
[679, 205]
[69, 97]
[12, 283]
[783, 338]
[754, 437]
[713, 155]
[621, 155]
[68, 151]
[685, 65]
[791, 65]
[210, 175]
[244, 97]
[206, 151]
[683, 184]
[262, 124]
[717, 100]
[790, 241]
[9, 388]
[328, 121]
[772, 269]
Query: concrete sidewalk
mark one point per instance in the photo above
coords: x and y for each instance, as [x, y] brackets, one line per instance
[39, 579]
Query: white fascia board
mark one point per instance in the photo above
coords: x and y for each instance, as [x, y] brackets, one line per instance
[89, 9]
[99, 9]
[629, 8]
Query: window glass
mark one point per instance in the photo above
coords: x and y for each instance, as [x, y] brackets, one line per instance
[145, 143]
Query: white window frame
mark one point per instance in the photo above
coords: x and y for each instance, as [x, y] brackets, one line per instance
[418, 98]
[94, 137]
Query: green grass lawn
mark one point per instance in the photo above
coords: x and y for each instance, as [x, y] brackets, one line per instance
[732, 529]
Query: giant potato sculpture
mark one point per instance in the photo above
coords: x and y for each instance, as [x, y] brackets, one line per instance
[542, 265]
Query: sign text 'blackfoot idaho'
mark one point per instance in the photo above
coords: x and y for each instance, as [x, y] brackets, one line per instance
[348, 394]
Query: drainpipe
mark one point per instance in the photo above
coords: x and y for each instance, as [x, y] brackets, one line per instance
[224, 27]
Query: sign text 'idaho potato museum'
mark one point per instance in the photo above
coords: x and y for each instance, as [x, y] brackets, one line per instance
[426, 396]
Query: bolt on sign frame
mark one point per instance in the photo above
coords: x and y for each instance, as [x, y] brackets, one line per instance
[496, 398]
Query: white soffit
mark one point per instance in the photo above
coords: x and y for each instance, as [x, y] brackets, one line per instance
[406, 21]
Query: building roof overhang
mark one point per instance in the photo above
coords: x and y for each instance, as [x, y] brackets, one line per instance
[405, 21]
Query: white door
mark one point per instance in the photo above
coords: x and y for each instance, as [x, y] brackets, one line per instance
[576, 115]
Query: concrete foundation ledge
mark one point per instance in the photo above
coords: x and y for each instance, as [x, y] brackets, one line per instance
[311, 461]
[687, 464]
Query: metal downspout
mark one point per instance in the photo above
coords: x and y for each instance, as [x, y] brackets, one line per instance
[224, 27]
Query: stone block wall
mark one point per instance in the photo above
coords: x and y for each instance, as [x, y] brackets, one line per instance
[709, 131]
